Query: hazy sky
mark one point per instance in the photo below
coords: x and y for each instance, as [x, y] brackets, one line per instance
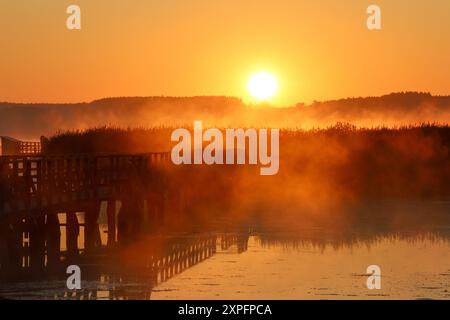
[318, 49]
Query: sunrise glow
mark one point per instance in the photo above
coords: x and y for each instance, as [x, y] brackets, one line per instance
[262, 86]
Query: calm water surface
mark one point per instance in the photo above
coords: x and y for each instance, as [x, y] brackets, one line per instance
[269, 266]
[418, 268]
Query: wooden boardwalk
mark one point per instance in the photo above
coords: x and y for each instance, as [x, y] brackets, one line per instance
[31, 184]
[36, 189]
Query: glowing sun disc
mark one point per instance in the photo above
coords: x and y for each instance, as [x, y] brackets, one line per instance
[262, 86]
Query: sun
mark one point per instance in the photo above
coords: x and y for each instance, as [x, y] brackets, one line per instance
[262, 85]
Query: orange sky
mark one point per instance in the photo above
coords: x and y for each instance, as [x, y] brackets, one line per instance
[318, 49]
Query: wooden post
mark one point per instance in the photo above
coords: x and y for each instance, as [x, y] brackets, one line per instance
[92, 233]
[53, 235]
[3, 249]
[122, 223]
[12, 259]
[37, 243]
[72, 232]
[15, 243]
[111, 215]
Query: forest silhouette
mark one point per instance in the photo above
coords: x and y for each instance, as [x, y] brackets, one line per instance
[30, 121]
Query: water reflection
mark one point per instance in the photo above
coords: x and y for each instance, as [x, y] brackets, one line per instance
[125, 273]
[276, 268]
[265, 257]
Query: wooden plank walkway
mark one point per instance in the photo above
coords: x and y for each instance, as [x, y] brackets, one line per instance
[31, 184]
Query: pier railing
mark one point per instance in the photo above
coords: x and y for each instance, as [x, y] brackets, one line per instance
[30, 183]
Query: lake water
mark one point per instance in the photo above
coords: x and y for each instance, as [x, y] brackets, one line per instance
[417, 268]
[252, 265]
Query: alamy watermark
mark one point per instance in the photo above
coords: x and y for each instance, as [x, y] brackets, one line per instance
[374, 19]
[190, 150]
[73, 21]
[74, 280]
[373, 22]
[374, 280]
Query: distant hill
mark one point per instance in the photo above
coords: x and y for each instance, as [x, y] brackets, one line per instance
[30, 121]
[390, 110]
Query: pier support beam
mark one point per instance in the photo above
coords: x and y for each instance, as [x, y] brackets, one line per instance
[12, 243]
[72, 232]
[53, 236]
[37, 243]
[92, 232]
[3, 249]
[122, 223]
[111, 215]
[14, 240]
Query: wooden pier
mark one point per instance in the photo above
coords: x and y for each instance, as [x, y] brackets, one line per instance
[36, 189]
